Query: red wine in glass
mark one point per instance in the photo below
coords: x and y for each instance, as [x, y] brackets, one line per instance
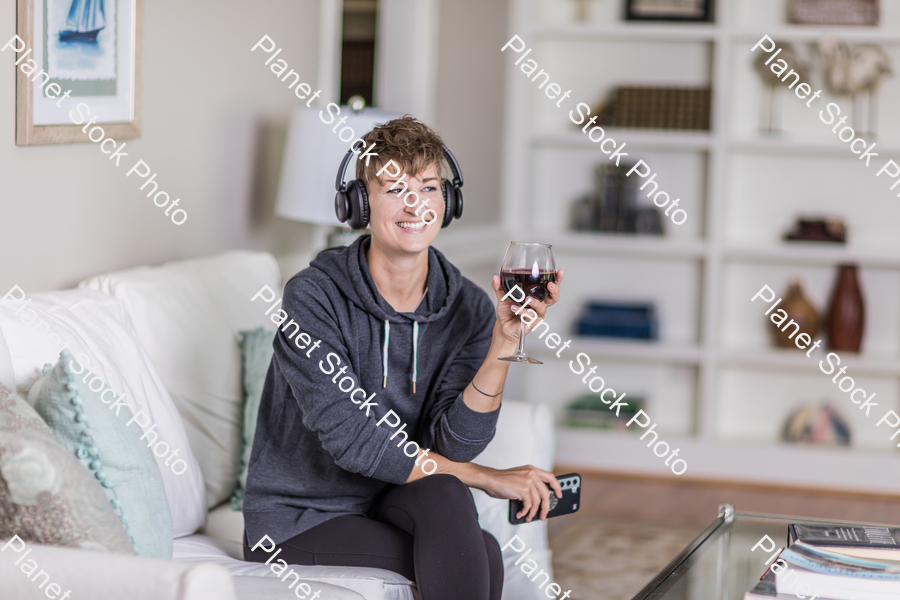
[533, 285]
[529, 266]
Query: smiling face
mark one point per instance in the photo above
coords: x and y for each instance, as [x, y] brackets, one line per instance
[393, 221]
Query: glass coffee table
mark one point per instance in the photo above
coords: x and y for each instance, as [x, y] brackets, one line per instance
[719, 564]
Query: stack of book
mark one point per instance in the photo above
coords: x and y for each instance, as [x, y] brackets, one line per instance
[833, 12]
[632, 320]
[612, 206]
[658, 108]
[835, 563]
[591, 412]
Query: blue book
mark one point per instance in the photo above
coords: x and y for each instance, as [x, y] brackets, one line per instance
[835, 576]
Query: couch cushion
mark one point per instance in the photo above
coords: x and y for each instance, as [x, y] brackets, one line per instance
[45, 495]
[371, 584]
[96, 325]
[249, 587]
[80, 412]
[93, 576]
[187, 315]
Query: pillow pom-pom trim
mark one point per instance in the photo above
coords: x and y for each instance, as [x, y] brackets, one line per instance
[87, 451]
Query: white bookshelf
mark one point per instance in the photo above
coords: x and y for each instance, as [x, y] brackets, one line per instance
[712, 382]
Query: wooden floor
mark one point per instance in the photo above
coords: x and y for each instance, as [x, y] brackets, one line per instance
[693, 502]
[638, 524]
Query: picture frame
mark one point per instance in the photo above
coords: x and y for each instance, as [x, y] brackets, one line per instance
[91, 49]
[669, 10]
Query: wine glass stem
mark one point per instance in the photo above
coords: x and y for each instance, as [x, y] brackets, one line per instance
[520, 349]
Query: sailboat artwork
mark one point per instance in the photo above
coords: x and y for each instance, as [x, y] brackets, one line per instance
[85, 20]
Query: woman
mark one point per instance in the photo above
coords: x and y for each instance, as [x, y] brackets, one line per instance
[388, 324]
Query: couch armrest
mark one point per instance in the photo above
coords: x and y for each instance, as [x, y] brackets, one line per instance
[524, 437]
[87, 574]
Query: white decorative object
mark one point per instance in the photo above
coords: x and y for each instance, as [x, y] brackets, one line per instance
[768, 121]
[853, 70]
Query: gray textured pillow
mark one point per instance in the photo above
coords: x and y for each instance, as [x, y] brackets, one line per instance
[46, 496]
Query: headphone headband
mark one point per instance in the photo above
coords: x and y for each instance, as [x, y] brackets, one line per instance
[351, 203]
[454, 167]
[340, 186]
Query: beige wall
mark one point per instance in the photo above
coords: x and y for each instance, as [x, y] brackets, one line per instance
[470, 92]
[214, 120]
[214, 129]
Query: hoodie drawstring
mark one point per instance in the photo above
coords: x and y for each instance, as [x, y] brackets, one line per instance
[415, 351]
[384, 353]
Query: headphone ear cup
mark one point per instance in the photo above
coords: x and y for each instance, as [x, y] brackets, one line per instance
[363, 205]
[358, 202]
[352, 194]
[341, 207]
[459, 204]
[449, 203]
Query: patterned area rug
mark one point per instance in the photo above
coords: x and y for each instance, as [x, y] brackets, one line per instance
[613, 559]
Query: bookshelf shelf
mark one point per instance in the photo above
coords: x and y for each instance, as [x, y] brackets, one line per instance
[788, 360]
[741, 191]
[813, 33]
[606, 244]
[825, 147]
[662, 140]
[627, 31]
[613, 349]
[813, 254]
[760, 461]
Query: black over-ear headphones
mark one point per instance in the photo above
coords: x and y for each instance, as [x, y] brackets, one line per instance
[351, 203]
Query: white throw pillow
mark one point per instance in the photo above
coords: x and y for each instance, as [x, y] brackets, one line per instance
[187, 315]
[96, 326]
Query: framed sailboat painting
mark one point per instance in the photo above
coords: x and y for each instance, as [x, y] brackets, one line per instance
[80, 61]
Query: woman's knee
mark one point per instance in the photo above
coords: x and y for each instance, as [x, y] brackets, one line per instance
[495, 555]
[492, 545]
[445, 487]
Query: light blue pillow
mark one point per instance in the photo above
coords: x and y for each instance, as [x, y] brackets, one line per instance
[256, 354]
[112, 452]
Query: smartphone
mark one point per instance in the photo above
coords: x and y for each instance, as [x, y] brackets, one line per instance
[571, 499]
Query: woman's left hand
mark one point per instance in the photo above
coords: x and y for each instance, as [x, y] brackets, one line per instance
[508, 320]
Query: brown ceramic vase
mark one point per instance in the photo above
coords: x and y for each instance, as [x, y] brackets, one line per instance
[847, 312]
[801, 311]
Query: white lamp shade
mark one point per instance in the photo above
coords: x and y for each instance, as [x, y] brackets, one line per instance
[313, 155]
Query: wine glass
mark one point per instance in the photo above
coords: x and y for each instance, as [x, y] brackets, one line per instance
[529, 266]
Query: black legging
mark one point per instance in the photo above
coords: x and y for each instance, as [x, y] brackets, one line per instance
[426, 531]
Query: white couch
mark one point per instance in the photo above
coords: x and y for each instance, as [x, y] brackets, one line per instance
[185, 317]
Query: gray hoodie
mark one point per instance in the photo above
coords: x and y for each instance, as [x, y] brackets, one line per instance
[316, 455]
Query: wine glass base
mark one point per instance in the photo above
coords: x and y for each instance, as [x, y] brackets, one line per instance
[521, 359]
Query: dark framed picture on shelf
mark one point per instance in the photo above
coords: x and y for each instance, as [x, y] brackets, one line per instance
[668, 10]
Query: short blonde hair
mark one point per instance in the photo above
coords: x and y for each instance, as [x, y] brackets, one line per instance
[409, 143]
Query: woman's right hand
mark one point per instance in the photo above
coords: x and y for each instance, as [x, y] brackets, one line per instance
[524, 483]
[507, 316]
